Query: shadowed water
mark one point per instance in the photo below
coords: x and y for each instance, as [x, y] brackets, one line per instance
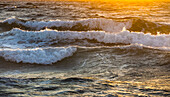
[98, 49]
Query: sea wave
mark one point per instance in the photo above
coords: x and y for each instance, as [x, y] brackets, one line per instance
[37, 55]
[51, 55]
[18, 38]
[107, 25]
[87, 24]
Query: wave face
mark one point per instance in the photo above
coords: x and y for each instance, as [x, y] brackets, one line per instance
[37, 55]
[107, 25]
[17, 37]
[88, 24]
[84, 48]
[33, 46]
[91, 25]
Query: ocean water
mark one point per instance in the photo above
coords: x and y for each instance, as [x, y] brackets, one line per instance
[84, 48]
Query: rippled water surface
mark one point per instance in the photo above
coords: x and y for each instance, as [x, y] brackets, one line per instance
[103, 49]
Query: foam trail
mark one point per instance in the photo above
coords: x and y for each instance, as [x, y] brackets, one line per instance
[37, 55]
[95, 23]
[20, 38]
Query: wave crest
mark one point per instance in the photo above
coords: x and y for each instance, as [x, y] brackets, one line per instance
[81, 25]
[107, 25]
[37, 55]
[17, 37]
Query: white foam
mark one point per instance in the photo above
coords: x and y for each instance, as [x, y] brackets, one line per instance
[165, 23]
[37, 55]
[100, 23]
[15, 37]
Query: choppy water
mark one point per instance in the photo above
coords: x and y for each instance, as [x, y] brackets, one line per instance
[84, 49]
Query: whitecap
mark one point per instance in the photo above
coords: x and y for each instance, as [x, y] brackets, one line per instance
[37, 55]
[22, 39]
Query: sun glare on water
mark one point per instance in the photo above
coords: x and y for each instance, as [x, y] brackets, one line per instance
[112, 0]
[117, 0]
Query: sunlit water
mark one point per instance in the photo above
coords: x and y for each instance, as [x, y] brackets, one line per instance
[84, 49]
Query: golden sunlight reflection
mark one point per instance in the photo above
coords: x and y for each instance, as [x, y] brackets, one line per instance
[84, 48]
[115, 0]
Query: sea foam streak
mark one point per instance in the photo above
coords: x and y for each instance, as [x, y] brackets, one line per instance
[14, 44]
[37, 55]
[108, 25]
[95, 23]
[21, 39]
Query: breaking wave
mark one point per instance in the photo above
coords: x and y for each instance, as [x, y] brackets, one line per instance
[88, 24]
[107, 25]
[52, 55]
[17, 38]
[38, 42]
[37, 55]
